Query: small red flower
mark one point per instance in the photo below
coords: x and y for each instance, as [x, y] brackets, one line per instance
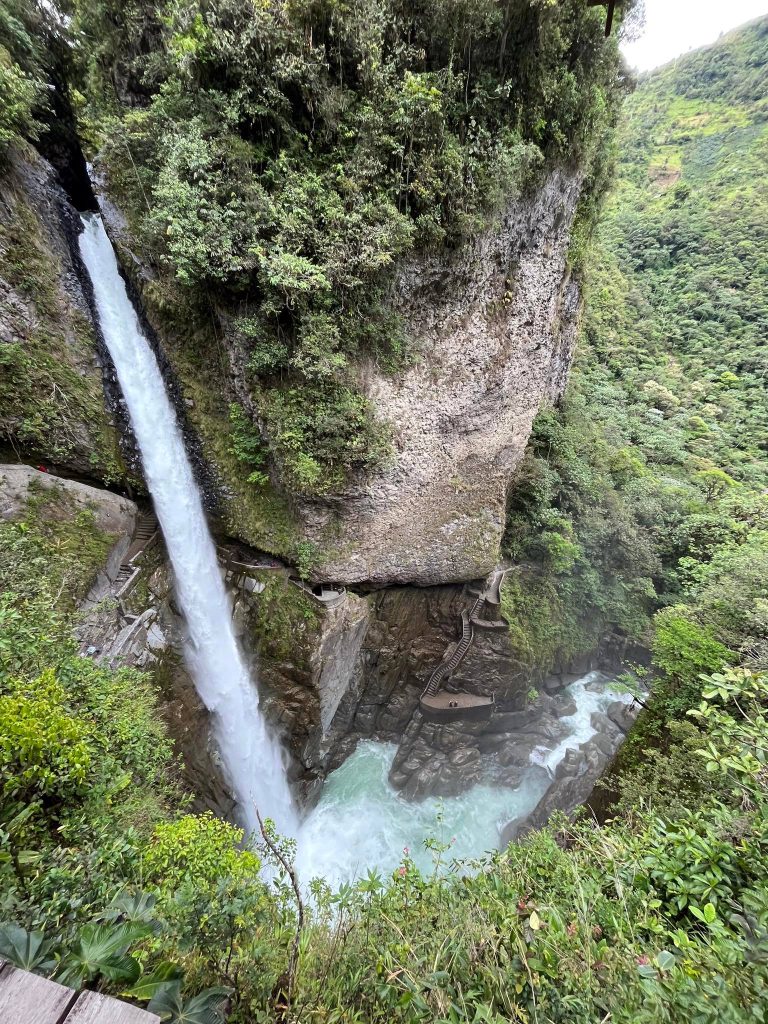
[401, 870]
[597, 932]
[643, 960]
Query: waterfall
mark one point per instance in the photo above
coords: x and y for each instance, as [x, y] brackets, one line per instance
[251, 756]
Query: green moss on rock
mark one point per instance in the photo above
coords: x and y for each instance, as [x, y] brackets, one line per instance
[51, 395]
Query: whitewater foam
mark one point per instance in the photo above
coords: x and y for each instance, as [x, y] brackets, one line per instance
[362, 823]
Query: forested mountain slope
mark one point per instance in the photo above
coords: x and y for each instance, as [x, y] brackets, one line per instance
[649, 488]
[679, 296]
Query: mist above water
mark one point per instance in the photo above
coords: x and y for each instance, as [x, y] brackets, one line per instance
[251, 756]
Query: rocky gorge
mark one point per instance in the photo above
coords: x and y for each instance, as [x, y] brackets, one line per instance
[383, 514]
[493, 328]
[353, 670]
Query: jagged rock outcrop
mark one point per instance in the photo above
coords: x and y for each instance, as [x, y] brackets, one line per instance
[406, 638]
[112, 513]
[494, 325]
[580, 769]
[306, 653]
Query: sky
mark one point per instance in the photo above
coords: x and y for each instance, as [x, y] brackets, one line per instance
[673, 27]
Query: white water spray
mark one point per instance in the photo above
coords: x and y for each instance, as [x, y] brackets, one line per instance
[251, 756]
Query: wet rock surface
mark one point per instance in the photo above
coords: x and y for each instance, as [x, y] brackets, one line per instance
[579, 770]
[45, 316]
[408, 632]
[406, 636]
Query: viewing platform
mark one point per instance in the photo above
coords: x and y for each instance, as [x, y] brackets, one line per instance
[447, 707]
[27, 998]
[437, 706]
[324, 593]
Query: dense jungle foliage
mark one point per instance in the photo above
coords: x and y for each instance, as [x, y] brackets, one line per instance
[277, 162]
[643, 502]
[649, 488]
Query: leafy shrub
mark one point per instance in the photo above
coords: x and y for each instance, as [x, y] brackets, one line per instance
[200, 849]
[45, 756]
[247, 445]
[22, 81]
[18, 98]
[683, 651]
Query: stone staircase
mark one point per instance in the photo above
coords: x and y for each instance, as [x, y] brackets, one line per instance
[457, 705]
[144, 534]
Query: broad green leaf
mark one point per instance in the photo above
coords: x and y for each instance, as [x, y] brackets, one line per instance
[28, 950]
[148, 986]
[204, 1008]
[665, 960]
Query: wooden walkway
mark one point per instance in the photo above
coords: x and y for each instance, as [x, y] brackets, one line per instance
[29, 999]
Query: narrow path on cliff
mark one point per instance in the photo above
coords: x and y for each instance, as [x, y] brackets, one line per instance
[445, 707]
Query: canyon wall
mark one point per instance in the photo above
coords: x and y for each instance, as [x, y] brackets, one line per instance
[53, 369]
[492, 324]
[493, 327]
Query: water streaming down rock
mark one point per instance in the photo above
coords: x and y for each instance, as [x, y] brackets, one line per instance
[252, 757]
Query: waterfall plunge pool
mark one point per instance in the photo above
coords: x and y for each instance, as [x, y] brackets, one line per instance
[361, 823]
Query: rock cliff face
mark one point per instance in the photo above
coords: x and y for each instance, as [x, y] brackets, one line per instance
[407, 632]
[494, 326]
[52, 367]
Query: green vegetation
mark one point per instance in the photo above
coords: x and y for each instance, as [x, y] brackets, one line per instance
[648, 488]
[51, 400]
[22, 73]
[277, 163]
[641, 509]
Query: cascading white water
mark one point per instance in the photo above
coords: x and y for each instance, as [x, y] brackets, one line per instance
[251, 756]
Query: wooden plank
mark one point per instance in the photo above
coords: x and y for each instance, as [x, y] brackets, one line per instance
[29, 999]
[92, 1008]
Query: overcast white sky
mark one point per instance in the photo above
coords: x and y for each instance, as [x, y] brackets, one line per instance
[673, 27]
